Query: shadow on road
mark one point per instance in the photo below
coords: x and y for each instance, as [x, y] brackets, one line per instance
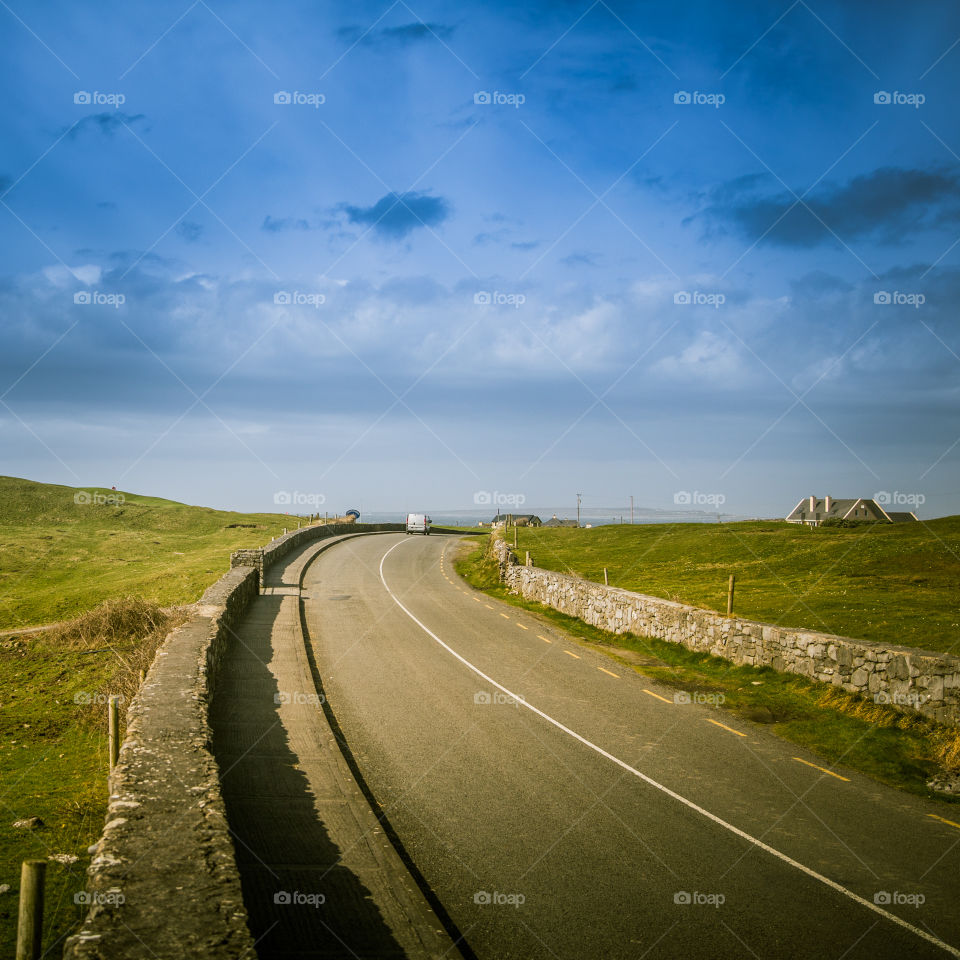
[300, 899]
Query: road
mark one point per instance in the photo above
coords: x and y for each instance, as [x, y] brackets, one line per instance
[557, 804]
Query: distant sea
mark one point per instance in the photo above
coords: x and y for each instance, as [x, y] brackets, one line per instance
[595, 517]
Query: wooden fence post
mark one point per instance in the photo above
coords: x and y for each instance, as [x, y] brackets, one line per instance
[606, 579]
[113, 730]
[30, 918]
[730, 586]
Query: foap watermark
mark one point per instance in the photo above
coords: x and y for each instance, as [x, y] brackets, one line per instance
[485, 698]
[699, 98]
[486, 298]
[296, 898]
[310, 699]
[698, 298]
[98, 298]
[897, 298]
[898, 499]
[688, 498]
[486, 898]
[99, 898]
[909, 698]
[686, 898]
[498, 98]
[85, 698]
[484, 497]
[284, 298]
[285, 98]
[87, 98]
[887, 898]
[898, 98]
[707, 699]
[296, 498]
[86, 498]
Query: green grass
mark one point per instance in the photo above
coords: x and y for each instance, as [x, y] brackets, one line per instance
[59, 558]
[841, 728]
[895, 583]
[53, 750]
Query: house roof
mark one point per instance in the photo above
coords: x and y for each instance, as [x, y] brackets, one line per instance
[842, 507]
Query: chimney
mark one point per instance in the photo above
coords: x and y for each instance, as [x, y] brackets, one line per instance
[827, 503]
[813, 504]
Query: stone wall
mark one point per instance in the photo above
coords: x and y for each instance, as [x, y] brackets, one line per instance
[163, 882]
[904, 677]
[263, 557]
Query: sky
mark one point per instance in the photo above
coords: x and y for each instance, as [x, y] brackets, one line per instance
[438, 256]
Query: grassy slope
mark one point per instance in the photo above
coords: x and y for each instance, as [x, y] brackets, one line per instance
[59, 558]
[53, 763]
[843, 729]
[893, 583]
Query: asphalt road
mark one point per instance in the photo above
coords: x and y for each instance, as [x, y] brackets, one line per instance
[560, 805]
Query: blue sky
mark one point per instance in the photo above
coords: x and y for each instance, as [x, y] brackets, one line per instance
[407, 254]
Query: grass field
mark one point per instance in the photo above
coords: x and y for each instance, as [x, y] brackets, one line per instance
[845, 730]
[59, 557]
[893, 582]
[53, 750]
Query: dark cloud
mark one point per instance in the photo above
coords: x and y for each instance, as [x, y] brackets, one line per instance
[578, 259]
[404, 36]
[396, 215]
[275, 225]
[189, 231]
[883, 204]
[107, 123]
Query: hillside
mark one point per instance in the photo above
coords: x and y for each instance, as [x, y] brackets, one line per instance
[60, 555]
[894, 583]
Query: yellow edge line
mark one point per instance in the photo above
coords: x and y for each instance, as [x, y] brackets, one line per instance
[505, 617]
[569, 654]
[476, 599]
[657, 695]
[944, 820]
[737, 732]
[522, 627]
[822, 769]
[487, 605]
[544, 639]
[612, 674]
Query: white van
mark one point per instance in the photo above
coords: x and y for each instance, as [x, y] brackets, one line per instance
[418, 523]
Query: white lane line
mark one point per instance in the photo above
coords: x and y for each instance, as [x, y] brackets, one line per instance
[839, 888]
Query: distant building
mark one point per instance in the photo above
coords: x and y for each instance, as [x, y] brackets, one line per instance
[813, 511]
[554, 522]
[518, 519]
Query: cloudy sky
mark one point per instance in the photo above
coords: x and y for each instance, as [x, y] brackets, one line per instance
[408, 256]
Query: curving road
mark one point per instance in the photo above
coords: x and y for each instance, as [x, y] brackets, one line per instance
[559, 805]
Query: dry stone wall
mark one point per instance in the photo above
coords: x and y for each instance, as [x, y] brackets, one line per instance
[907, 678]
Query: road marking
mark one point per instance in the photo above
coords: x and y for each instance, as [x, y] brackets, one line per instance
[689, 804]
[822, 769]
[657, 695]
[725, 727]
[943, 820]
[612, 674]
[544, 639]
[569, 654]
[505, 617]
[522, 627]
[487, 605]
[475, 599]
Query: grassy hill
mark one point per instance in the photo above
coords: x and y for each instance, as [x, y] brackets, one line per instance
[890, 582]
[59, 557]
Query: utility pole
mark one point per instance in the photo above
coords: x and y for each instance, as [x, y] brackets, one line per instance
[579, 495]
[631, 509]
